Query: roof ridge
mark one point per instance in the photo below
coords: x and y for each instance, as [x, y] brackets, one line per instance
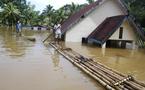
[77, 15]
[131, 19]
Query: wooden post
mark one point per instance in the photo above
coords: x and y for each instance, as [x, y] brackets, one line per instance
[104, 45]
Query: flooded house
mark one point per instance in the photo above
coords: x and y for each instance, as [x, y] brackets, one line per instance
[106, 23]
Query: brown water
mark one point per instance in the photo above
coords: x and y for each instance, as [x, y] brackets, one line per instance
[26, 65]
[128, 62]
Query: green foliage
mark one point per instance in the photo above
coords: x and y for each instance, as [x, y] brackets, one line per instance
[47, 15]
[13, 10]
[10, 14]
[137, 9]
[51, 16]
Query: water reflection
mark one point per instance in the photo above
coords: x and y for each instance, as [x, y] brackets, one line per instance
[12, 43]
[55, 58]
[103, 51]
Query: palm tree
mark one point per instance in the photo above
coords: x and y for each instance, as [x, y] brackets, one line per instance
[29, 14]
[47, 15]
[64, 12]
[10, 14]
[74, 7]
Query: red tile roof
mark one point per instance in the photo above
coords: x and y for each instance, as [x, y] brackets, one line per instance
[76, 16]
[106, 29]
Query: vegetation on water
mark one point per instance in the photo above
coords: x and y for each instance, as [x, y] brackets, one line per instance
[13, 10]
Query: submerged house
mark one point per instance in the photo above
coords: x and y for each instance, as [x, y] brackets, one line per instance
[104, 22]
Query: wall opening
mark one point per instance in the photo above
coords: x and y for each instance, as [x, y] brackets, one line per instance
[84, 40]
[118, 44]
[120, 32]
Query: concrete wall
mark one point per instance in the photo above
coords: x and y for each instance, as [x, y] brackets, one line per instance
[128, 33]
[83, 28]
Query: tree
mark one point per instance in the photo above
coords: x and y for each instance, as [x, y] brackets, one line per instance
[74, 7]
[29, 16]
[19, 9]
[10, 14]
[137, 9]
[47, 14]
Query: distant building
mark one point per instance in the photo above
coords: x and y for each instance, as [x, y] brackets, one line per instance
[35, 28]
[104, 22]
[38, 28]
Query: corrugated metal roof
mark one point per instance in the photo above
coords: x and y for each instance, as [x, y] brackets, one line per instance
[106, 29]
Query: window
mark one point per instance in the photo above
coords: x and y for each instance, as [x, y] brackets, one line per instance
[120, 32]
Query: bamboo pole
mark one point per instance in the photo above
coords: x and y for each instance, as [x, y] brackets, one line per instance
[115, 86]
[104, 78]
[86, 71]
[48, 37]
[100, 72]
[114, 78]
[135, 86]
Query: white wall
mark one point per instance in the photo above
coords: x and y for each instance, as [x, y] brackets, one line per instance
[42, 28]
[128, 32]
[90, 22]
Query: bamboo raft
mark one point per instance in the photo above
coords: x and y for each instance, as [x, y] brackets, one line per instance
[110, 79]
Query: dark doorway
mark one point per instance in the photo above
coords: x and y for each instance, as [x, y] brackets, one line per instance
[121, 33]
[116, 44]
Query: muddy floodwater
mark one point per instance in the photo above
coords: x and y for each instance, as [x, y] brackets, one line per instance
[126, 61]
[28, 65]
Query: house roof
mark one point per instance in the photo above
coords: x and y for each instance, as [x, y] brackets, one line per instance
[77, 16]
[131, 19]
[74, 18]
[106, 29]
